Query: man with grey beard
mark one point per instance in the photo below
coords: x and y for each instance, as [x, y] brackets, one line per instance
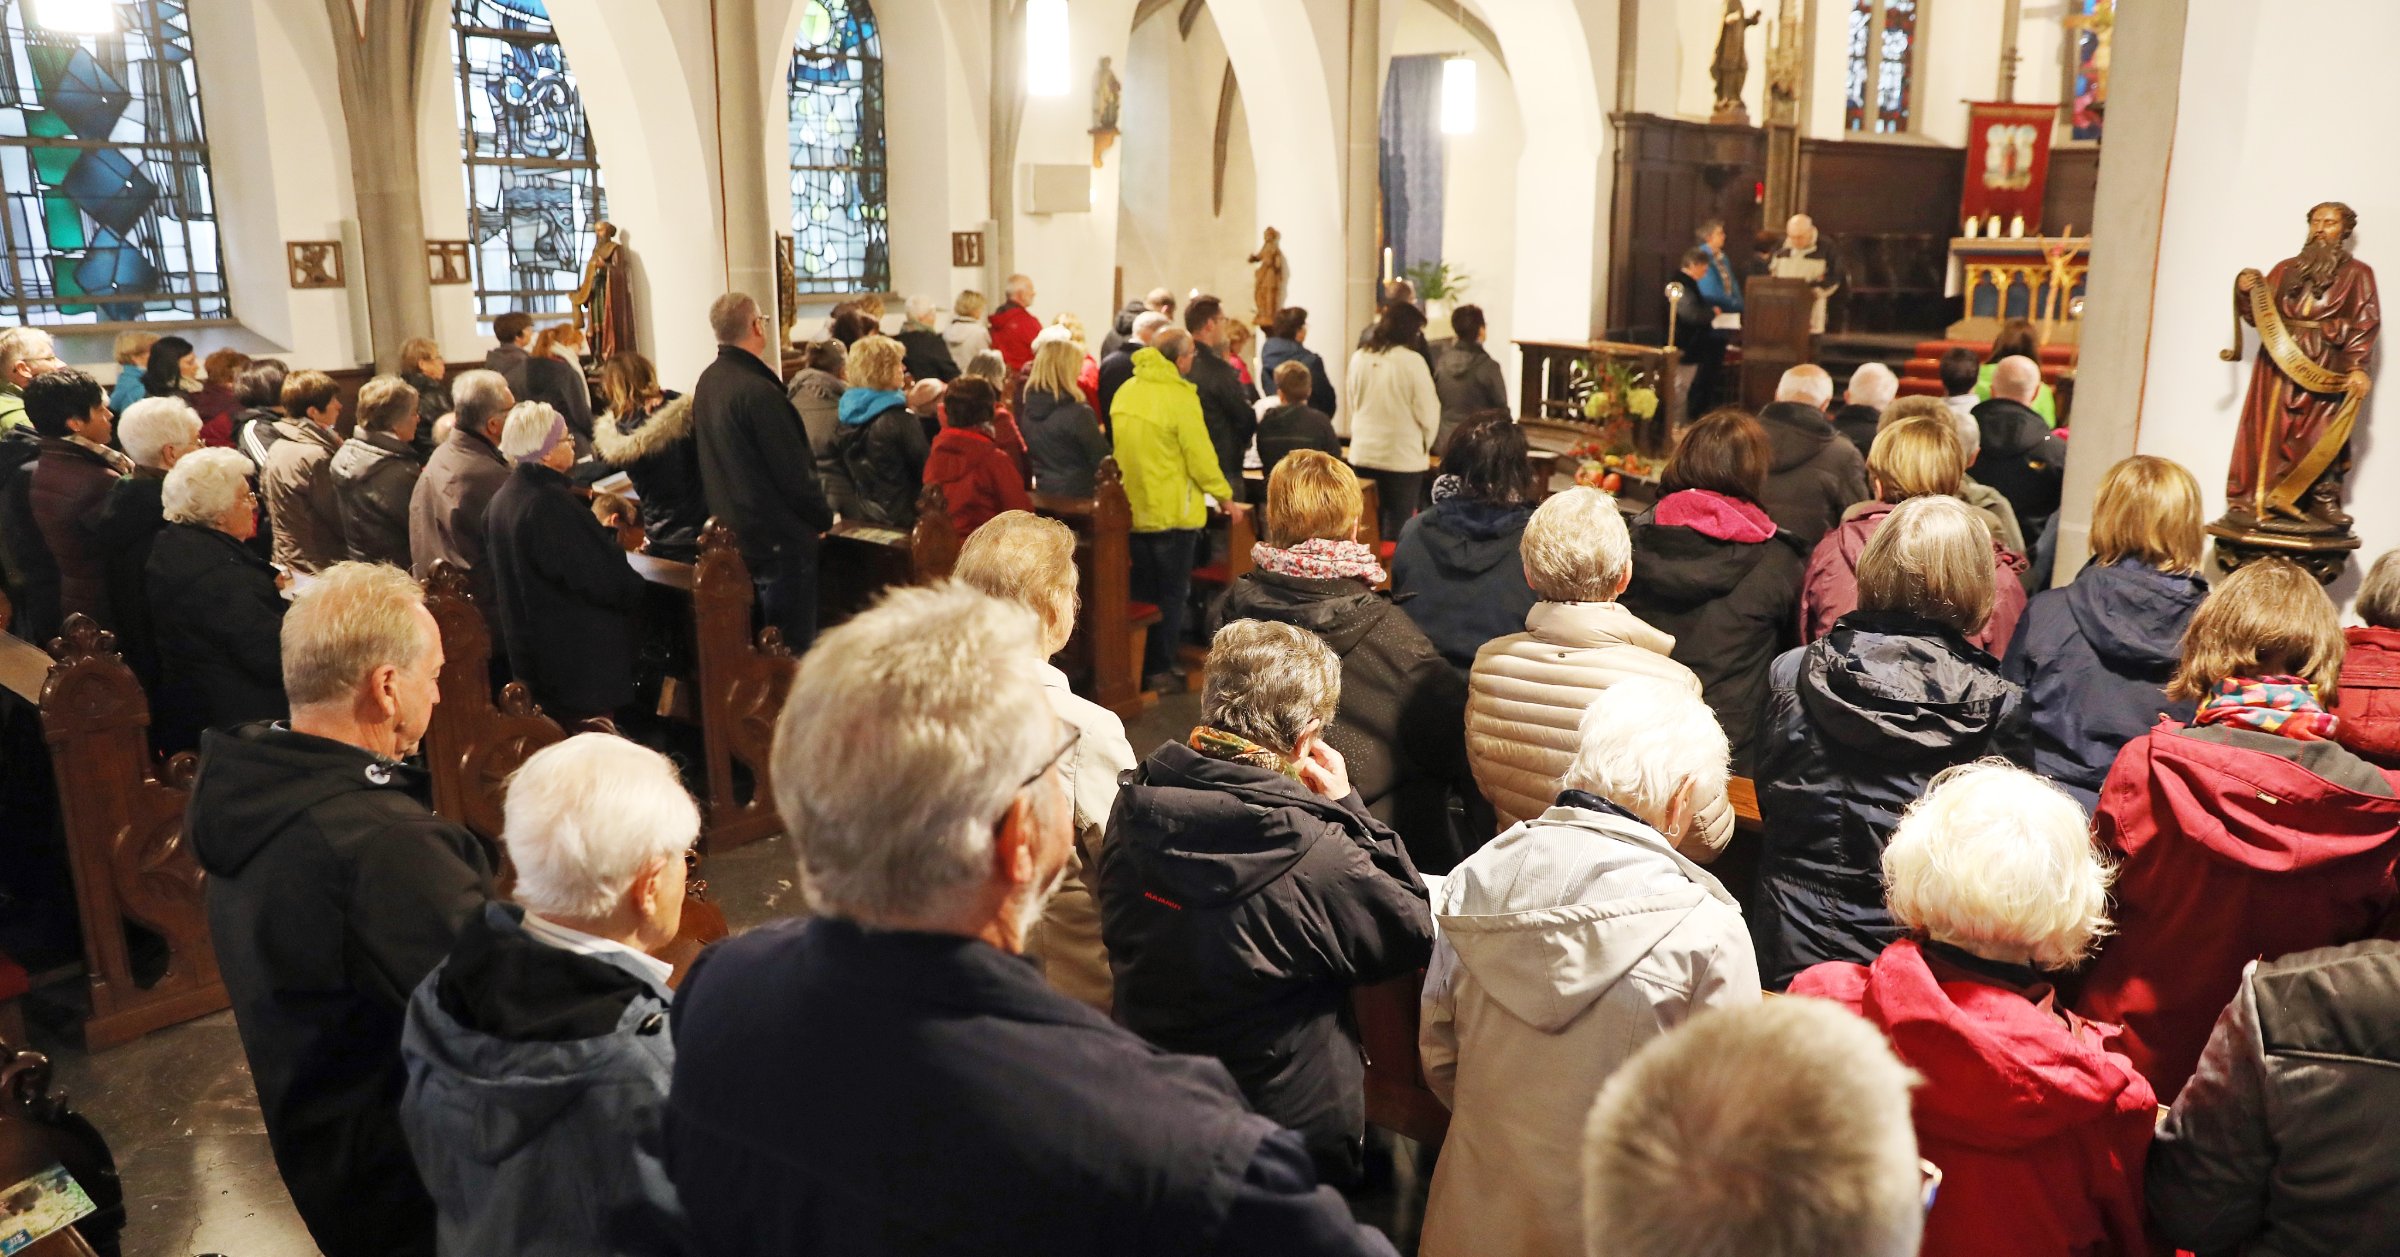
[889, 1074]
[2317, 317]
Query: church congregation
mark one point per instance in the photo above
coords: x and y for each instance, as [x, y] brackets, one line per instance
[1744, 724]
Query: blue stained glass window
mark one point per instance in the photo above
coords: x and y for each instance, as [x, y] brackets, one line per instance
[108, 216]
[1881, 65]
[841, 239]
[533, 177]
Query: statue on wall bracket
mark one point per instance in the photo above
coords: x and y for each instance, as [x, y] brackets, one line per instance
[1266, 286]
[1731, 68]
[1108, 97]
[2317, 317]
[604, 301]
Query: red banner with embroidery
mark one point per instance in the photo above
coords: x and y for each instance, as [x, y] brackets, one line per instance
[2008, 164]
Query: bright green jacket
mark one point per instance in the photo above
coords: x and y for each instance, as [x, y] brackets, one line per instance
[12, 408]
[1163, 447]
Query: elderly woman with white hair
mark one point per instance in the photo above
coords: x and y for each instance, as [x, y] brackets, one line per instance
[537, 1054]
[2038, 1121]
[1024, 558]
[1528, 691]
[1245, 892]
[928, 356]
[1566, 944]
[156, 432]
[215, 607]
[1859, 721]
[567, 596]
[920, 772]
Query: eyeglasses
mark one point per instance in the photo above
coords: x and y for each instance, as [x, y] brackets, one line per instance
[1073, 735]
[1929, 1182]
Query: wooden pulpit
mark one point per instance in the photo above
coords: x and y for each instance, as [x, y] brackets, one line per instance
[1775, 338]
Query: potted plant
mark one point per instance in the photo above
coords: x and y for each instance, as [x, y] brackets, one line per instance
[1439, 287]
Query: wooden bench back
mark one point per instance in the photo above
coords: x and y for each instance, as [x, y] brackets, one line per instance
[1100, 655]
[473, 743]
[742, 683]
[123, 814]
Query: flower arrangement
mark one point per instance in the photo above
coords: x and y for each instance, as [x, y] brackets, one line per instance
[1599, 467]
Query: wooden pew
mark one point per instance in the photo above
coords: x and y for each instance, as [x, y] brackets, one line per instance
[123, 815]
[1103, 657]
[1389, 1013]
[859, 561]
[473, 744]
[742, 683]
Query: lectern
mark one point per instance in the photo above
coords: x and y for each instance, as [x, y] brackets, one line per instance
[1775, 335]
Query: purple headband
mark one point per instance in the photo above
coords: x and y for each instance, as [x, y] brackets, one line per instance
[558, 433]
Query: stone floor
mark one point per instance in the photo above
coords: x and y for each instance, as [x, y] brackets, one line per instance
[177, 1106]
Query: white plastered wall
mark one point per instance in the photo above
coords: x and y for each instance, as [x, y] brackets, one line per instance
[1480, 176]
[1170, 230]
[2232, 191]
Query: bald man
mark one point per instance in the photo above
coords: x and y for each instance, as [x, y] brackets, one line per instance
[2021, 457]
[1804, 255]
[1813, 475]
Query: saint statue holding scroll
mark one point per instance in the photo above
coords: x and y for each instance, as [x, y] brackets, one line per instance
[2316, 316]
[604, 301]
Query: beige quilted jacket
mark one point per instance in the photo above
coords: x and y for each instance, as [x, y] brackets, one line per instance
[1529, 690]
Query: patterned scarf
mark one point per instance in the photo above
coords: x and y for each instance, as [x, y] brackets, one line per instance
[1320, 558]
[2282, 705]
[1236, 749]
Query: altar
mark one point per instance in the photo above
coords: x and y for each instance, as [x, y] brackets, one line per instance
[2034, 277]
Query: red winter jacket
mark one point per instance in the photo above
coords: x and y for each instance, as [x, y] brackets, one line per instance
[2232, 850]
[1013, 329]
[976, 476]
[2039, 1124]
[2369, 700]
[1830, 589]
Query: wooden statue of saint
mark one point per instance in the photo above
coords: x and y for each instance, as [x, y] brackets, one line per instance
[1267, 289]
[1108, 99]
[1731, 68]
[604, 301]
[2317, 316]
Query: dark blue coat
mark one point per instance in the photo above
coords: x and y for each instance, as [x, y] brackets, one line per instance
[1458, 574]
[1858, 723]
[2094, 659]
[841, 1091]
[1274, 351]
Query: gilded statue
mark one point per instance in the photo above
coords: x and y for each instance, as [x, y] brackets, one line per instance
[1267, 289]
[604, 301]
[2317, 316]
[1732, 65]
[1108, 100]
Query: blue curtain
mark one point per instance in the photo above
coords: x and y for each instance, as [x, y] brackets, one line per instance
[1412, 162]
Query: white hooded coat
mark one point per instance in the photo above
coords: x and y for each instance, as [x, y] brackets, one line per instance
[1565, 944]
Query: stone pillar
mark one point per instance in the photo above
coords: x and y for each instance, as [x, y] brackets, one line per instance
[378, 66]
[743, 110]
[2227, 120]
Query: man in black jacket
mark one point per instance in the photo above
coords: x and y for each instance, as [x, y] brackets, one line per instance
[2021, 458]
[1245, 892]
[757, 469]
[1117, 367]
[1224, 402]
[333, 891]
[889, 1074]
[1813, 475]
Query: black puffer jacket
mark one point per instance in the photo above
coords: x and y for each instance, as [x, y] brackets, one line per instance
[925, 355]
[658, 452]
[433, 401]
[567, 595]
[882, 458]
[1402, 723]
[1239, 909]
[332, 892]
[1858, 722]
[1813, 475]
[129, 522]
[1458, 572]
[1063, 442]
[219, 623]
[2282, 1144]
[1731, 607]
[2095, 658]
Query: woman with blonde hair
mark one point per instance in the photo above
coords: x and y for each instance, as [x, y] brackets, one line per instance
[1063, 441]
[647, 433]
[878, 445]
[2248, 833]
[2095, 656]
[554, 374]
[133, 353]
[1911, 458]
[1858, 723]
[1401, 724]
[966, 335]
[2039, 1123]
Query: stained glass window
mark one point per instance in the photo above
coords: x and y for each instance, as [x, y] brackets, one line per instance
[109, 217]
[841, 239]
[1883, 49]
[533, 178]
